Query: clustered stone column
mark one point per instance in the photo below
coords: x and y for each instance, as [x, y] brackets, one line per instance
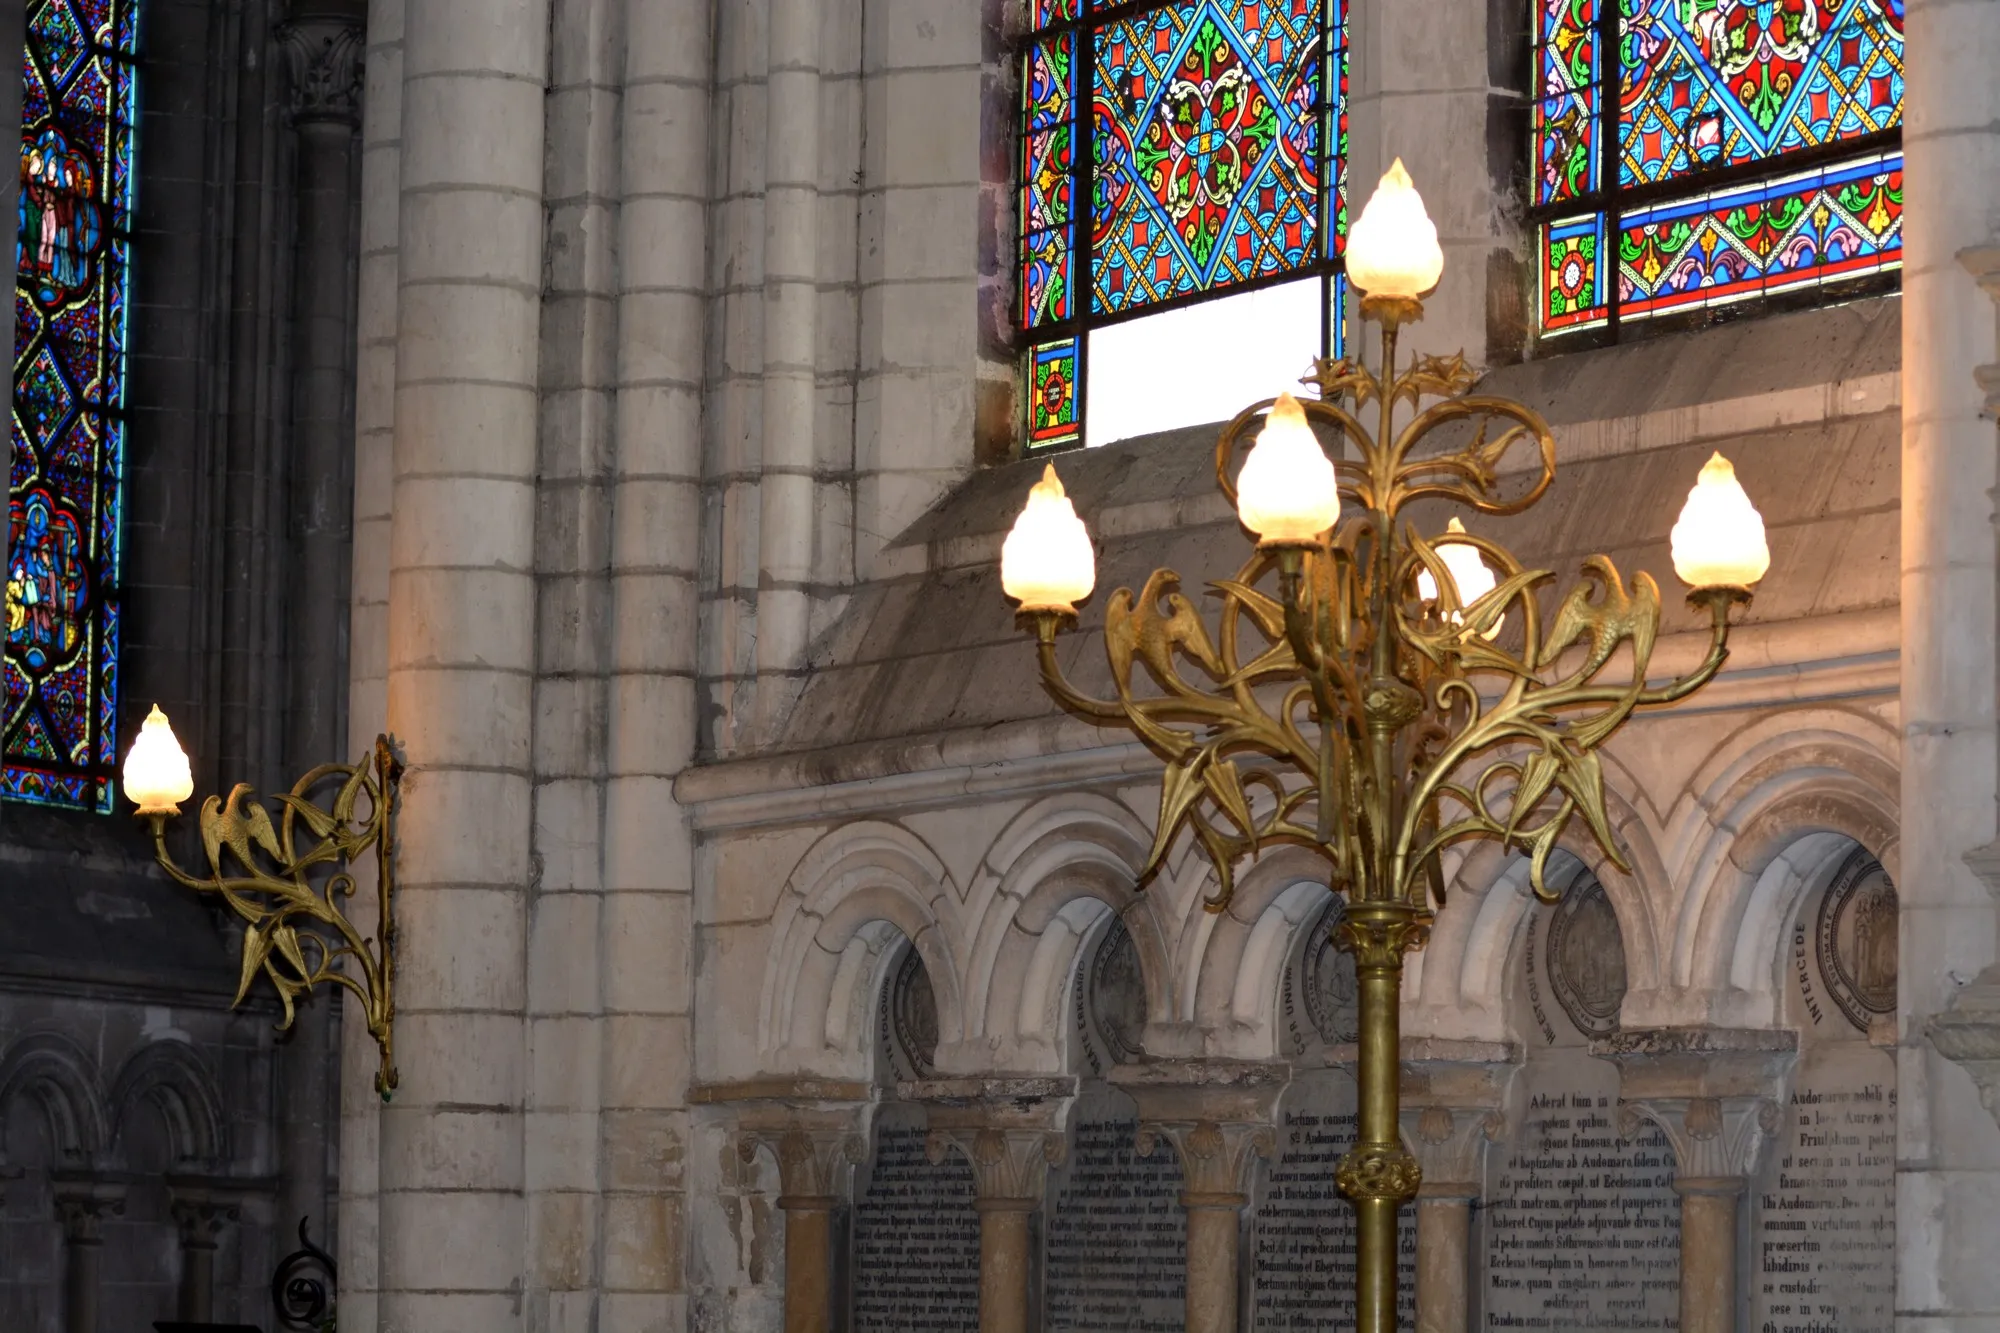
[1217, 1114]
[1012, 1132]
[1452, 1095]
[1715, 1094]
[82, 1204]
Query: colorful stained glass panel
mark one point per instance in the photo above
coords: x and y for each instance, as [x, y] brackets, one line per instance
[1712, 83]
[1048, 13]
[1053, 386]
[64, 494]
[1731, 245]
[1573, 273]
[1206, 149]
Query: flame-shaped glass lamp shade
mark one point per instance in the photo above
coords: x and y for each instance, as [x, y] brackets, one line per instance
[1393, 249]
[1719, 541]
[1287, 493]
[1046, 563]
[1469, 572]
[157, 776]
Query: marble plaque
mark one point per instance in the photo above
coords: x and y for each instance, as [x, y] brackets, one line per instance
[916, 1235]
[1582, 1227]
[1823, 1226]
[1302, 1242]
[1116, 1254]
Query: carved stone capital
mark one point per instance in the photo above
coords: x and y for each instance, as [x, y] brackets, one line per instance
[323, 57]
[1968, 1034]
[1717, 1141]
[200, 1213]
[1009, 1166]
[1454, 1095]
[82, 1204]
[1010, 1129]
[815, 1160]
[1216, 1157]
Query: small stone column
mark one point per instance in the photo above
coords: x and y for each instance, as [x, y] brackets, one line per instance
[82, 1204]
[1012, 1131]
[816, 1156]
[1715, 1093]
[1218, 1116]
[199, 1216]
[1452, 1095]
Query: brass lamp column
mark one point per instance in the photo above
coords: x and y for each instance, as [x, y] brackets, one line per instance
[1397, 694]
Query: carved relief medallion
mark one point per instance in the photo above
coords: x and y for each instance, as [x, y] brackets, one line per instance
[1586, 958]
[1326, 976]
[1856, 937]
[913, 1014]
[1116, 995]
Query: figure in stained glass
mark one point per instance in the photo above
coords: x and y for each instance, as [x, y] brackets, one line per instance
[1206, 137]
[1707, 86]
[58, 743]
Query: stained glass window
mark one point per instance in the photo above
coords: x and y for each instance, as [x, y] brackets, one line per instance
[1748, 147]
[1170, 152]
[72, 279]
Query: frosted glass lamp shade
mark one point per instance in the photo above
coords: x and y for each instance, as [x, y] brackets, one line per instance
[1287, 493]
[1470, 575]
[1719, 541]
[1393, 250]
[157, 776]
[1046, 563]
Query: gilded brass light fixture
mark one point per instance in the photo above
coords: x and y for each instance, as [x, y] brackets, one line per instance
[1393, 695]
[289, 876]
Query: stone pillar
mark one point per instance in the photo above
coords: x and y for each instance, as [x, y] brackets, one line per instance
[321, 47]
[199, 1216]
[1715, 1093]
[816, 1154]
[462, 657]
[1218, 1116]
[1452, 1095]
[786, 488]
[1948, 1151]
[82, 1204]
[1011, 1130]
[368, 616]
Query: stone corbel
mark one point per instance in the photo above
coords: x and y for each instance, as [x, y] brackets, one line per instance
[1967, 1033]
[1983, 262]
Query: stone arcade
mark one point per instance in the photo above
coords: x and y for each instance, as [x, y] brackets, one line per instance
[772, 951]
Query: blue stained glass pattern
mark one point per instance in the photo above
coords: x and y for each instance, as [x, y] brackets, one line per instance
[65, 478]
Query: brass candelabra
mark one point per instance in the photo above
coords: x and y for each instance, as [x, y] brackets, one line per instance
[1358, 699]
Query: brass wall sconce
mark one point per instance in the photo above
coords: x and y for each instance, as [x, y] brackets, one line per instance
[296, 933]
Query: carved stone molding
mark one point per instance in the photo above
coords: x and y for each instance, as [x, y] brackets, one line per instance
[83, 1203]
[323, 57]
[1983, 262]
[1968, 1034]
